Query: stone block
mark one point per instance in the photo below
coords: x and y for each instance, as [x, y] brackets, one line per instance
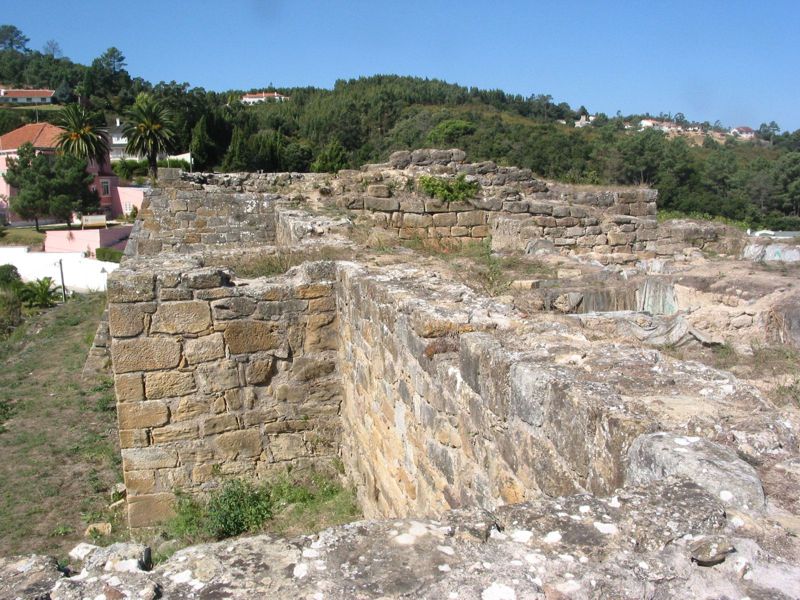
[238, 444]
[128, 387]
[233, 308]
[619, 238]
[133, 438]
[127, 320]
[281, 309]
[480, 231]
[139, 482]
[125, 286]
[220, 424]
[416, 220]
[260, 372]
[181, 317]
[202, 279]
[244, 337]
[175, 433]
[560, 211]
[447, 219]
[217, 376]
[382, 204]
[150, 510]
[459, 231]
[313, 290]
[287, 446]
[173, 294]
[471, 218]
[147, 354]
[140, 415]
[203, 349]
[322, 304]
[168, 384]
[379, 190]
[140, 459]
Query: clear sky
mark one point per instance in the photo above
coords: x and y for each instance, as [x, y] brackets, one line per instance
[733, 60]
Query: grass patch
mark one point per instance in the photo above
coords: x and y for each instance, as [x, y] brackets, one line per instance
[286, 505]
[272, 265]
[668, 215]
[21, 236]
[60, 454]
[480, 268]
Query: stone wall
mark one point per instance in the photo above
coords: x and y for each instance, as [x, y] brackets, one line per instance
[444, 407]
[186, 218]
[218, 378]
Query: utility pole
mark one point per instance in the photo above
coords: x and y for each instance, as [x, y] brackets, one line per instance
[63, 288]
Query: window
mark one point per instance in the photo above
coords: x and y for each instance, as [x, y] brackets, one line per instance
[106, 187]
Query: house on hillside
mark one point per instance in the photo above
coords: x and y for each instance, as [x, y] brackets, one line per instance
[743, 132]
[26, 97]
[43, 137]
[261, 97]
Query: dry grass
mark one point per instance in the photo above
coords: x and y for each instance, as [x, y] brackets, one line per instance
[21, 236]
[58, 435]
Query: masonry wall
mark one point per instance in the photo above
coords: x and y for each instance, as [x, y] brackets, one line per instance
[441, 410]
[215, 378]
[187, 218]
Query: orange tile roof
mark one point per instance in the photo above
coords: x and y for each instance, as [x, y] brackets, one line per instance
[265, 95]
[41, 135]
[28, 93]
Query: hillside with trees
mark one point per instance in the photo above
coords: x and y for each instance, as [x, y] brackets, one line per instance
[363, 120]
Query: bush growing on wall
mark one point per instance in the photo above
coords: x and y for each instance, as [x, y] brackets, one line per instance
[449, 190]
[108, 254]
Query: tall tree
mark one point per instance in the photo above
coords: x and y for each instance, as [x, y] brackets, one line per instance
[30, 174]
[12, 38]
[149, 129]
[82, 137]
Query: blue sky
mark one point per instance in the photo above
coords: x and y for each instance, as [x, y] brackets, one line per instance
[737, 61]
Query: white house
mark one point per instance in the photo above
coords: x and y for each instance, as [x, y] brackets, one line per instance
[743, 132]
[26, 97]
[261, 97]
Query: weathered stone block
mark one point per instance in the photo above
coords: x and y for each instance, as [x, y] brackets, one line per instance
[233, 308]
[140, 459]
[219, 424]
[139, 482]
[415, 220]
[181, 317]
[217, 376]
[148, 354]
[260, 372]
[313, 290]
[150, 510]
[322, 304]
[133, 438]
[251, 336]
[379, 190]
[211, 277]
[238, 444]
[128, 387]
[381, 204]
[471, 218]
[124, 286]
[287, 447]
[480, 231]
[140, 415]
[168, 384]
[203, 349]
[174, 433]
[446, 219]
[280, 309]
[127, 320]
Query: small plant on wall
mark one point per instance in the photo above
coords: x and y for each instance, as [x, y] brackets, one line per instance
[448, 190]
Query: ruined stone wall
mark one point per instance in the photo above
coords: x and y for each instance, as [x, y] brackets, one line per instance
[442, 410]
[215, 378]
[186, 217]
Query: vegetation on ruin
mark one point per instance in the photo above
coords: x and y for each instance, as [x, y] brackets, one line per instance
[292, 504]
[59, 437]
[448, 189]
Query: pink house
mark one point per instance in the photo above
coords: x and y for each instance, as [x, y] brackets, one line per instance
[43, 137]
[86, 240]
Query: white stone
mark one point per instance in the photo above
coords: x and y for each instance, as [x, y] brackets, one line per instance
[605, 528]
[552, 538]
[82, 550]
[300, 570]
[498, 591]
[405, 539]
[522, 536]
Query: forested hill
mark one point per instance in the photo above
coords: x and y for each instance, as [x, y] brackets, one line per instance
[363, 120]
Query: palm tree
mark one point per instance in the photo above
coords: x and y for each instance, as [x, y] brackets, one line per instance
[82, 137]
[149, 129]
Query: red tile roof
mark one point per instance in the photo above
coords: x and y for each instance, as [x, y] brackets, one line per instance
[41, 135]
[28, 93]
[265, 95]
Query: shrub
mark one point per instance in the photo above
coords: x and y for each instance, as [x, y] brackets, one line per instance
[108, 254]
[237, 507]
[10, 310]
[9, 276]
[449, 190]
[41, 293]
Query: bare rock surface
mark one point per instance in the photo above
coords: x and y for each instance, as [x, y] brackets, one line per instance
[669, 538]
